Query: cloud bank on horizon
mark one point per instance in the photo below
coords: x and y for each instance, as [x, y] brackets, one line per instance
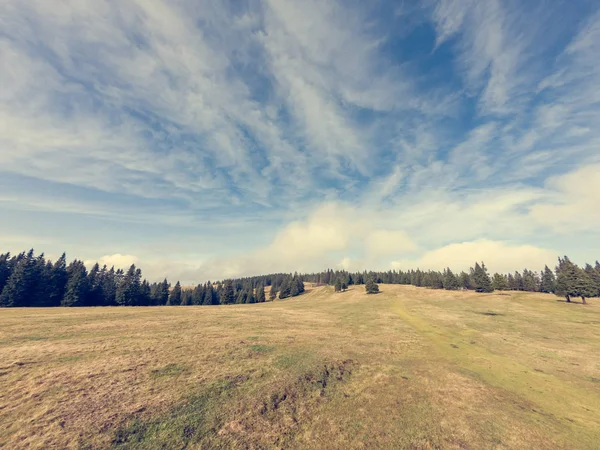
[206, 139]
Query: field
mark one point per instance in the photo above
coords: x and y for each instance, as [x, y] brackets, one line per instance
[408, 368]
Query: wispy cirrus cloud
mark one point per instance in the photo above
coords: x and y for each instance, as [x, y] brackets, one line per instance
[266, 124]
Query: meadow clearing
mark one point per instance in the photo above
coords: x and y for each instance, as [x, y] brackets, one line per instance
[407, 368]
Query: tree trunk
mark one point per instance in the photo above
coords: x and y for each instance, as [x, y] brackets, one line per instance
[583, 300]
[568, 298]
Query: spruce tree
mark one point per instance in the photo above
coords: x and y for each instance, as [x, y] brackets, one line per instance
[499, 282]
[548, 281]
[77, 285]
[285, 289]
[210, 296]
[530, 281]
[481, 279]
[198, 295]
[109, 286]
[260, 293]
[572, 281]
[227, 294]
[465, 281]
[337, 287]
[186, 298]
[175, 295]
[371, 287]
[128, 290]
[95, 287]
[449, 280]
[273, 292]
[5, 270]
[594, 276]
[19, 286]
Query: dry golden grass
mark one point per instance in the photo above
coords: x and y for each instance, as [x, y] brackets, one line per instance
[408, 368]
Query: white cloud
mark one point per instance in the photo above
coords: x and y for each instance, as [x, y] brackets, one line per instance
[575, 201]
[498, 257]
[117, 260]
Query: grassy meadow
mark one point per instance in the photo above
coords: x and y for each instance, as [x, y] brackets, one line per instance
[407, 368]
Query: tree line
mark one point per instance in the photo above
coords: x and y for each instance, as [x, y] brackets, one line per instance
[30, 280]
[567, 280]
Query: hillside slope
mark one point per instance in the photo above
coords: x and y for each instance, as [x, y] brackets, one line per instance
[408, 368]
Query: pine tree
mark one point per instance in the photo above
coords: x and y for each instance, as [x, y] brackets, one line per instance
[371, 287]
[109, 286]
[77, 285]
[449, 280]
[5, 270]
[273, 292]
[175, 295]
[465, 281]
[594, 276]
[95, 287]
[285, 290]
[198, 295]
[145, 294]
[228, 295]
[128, 290]
[260, 293]
[186, 298]
[519, 284]
[161, 293]
[548, 281]
[210, 295]
[337, 287]
[481, 279]
[572, 281]
[19, 286]
[530, 281]
[499, 282]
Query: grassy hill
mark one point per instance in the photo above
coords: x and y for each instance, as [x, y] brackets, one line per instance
[408, 368]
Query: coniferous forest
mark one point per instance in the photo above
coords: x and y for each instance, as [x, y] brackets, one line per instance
[34, 281]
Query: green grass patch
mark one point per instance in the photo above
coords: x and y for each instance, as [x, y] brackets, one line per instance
[170, 370]
[197, 419]
[260, 348]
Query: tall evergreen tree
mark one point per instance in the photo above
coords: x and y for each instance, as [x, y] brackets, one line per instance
[5, 270]
[19, 287]
[285, 290]
[481, 279]
[128, 290]
[77, 285]
[109, 286]
[499, 282]
[210, 295]
[95, 294]
[260, 293]
[175, 295]
[572, 281]
[530, 281]
[370, 286]
[273, 292]
[449, 280]
[465, 281]
[160, 294]
[227, 294]
[548, 281]
[594, 277]
[337, 286]
[145, 294]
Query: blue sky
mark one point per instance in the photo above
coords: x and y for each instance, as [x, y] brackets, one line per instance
[205, 139]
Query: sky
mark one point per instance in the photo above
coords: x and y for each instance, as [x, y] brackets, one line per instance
[210, 139]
